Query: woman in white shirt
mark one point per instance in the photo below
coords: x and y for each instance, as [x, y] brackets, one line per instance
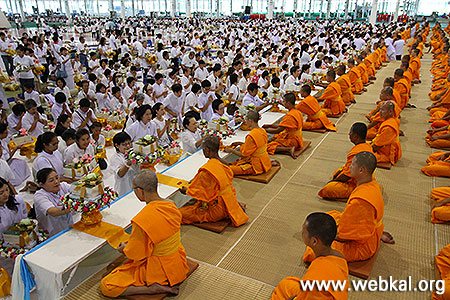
[62, 87]
[81, 146]
[143, 125]
[49, 156]
[161, 123]
[50, 211]
[103, 97]
[264, 81]
[191, 102]
[123, 170]
[305, 73]
[191, 139]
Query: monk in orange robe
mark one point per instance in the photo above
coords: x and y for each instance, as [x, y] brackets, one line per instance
[360, 225]
[318, 232]
[363, 70]
[374, 117]
[441, 208]
[355, 78]
[333, 105]
[439, 137]
[345, 84]
[406, 73]
[441, 102]
[288, 137]
[255, 159]
[213, 189]
[369, 61]
[309, 106]
[342, 184]
[386, 144]
[415, 65]
[438, 164]
[443, 265]
[157, 260]
[440, 119]
[402, 87]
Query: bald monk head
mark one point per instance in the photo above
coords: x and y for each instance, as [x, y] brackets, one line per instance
[289, 101]
[404, 66]
[387, 93]
[340, 70]
[389, 81]
[252, 118]
[331, 76]
[387, 110]
[398, 74]
[358, 133]
[210, 146]
[359, 59]
[318, 232]
[351, 63]
[406, 58]
[145, 186]
[305, 91]
[415, 53]
[362, 167]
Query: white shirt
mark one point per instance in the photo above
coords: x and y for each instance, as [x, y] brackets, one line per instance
[24, 61]
[79, 116]
[33, 95]
[359, 43]
[164, 139]
[73, 151]
[174, 103]
[28, 120]
[45, 160]
[9, 217]
[202, 101]
[103, 102]
[188, 140]
[248, 99]
[398, 45]
[124, 184]
[138, 130]
[5, 171]
[191, 100]
[201, 74]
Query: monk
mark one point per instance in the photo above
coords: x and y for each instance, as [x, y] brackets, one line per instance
[355, 78]
[441, 208]
[438, 164]
[402, 87]
[363, 70]
[439, 137]
[360, 225]
[253, 152]
[288, 134]
[333, 105]
[443, 265]
[415, 65]
[441, 120]
[318, 232]
[390, 81]
[441, 102]
[386, 94]
[309, 106]
[346, 85]
[342, 184]
[157, 260]
[212, 190]
[386, 144]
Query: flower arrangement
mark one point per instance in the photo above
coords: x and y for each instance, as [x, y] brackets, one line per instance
[83, 160]
[108, 128]
[4, 77]
[174, 148]
[238, 114]
[7, 251]
[110, 53]
[139, 159]
[10, 51]
[38, 67]
[117, 113]
[202, 124]
[22, 132]
[150, 59]
[174, 129]
[146, 140]
[50, 127]
[22, 137]
[88, 205]
[274, 97]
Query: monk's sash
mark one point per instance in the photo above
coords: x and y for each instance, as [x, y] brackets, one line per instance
[294, 133]
[337, 99]
[168, 246]
[225, 190]
[261, 151]
[172, 181]
[379, 223]
[316, 115]
[347, 90]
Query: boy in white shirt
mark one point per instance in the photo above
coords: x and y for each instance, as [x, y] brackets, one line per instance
[191, 102]
[201, 73]
[174, 102]
[205, 100]
[33, 121]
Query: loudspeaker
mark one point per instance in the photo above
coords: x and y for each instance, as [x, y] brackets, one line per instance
[247, 10]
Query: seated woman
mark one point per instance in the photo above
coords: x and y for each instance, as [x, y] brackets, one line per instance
[123, 170]
[191, 139]
[47, 202]
[81, 146]
[162, 124]
[62, 124]
[143, 125]
[12, 210]
[49, 156]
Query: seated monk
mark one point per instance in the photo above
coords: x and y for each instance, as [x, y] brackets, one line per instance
[333, 105]
[362, 70]
[441, 208]
[386, 94]
[390, 81]
[157, 261]
[345, 84]
[355, 78]
[254, 157]
[309, 106]
[440, 119]
[441, 103]
[386, 144]
[342, 184]
[438, 164]
[318, 232]
[213, 190]
[439, 88]
[288, 134]
[360, 225]
[415, 65]
[439, 137]
[442, 260]
[402, 87]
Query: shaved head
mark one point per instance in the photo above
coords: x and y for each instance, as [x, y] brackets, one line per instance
[252, 115]
[366, 160]
[389, 91]
[321, 226]
[211, 143]
[146, 180]
[360, 129]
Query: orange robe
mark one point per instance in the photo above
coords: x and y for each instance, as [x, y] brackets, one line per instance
[443, 87]
[346, 88]
[372, 132]
[333, 105]
[439, 143]
[440, 214]
[363, 71]
[415, 66]
[443, 264]
[317, 119]
[292, 136]
[402, 88]
[355, 79]
[369, 61]
[155, 252]
[342, 190]
[256, 159]
[445, 101]
[435, 167]
[213, 187]
[361, 223]
[387, 137]
[336, 269]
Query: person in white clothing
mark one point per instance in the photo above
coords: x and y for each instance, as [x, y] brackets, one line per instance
[81, 147]
[48, 155]
[201, 73]
[103, 97]
[143, 125]
[159, 89]
[252, 97]
[191, 139]
[123, 169]
[191, 101]
[290, 82]
[174, 102]
[398, 45]
[84, 115]
[162, 124]
[23, 66]
[60, 107]
[33, 122]
[187, 80]
[205, 100]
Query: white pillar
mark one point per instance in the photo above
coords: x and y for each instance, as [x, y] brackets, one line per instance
[328, 9]
[122, 8]
[321, 6]
[11, 6]
[397, 8]
[111, 5]
[174, 8]
[231, 7]
[188, 8]
[347, 2]
[217, 8]
[373, 14]
[210, 8]
[85, 7]
[310, 7]
[22, 15]
[133, 12]
[98, 9]
[69, 15]
[295, 7]
[270, 9]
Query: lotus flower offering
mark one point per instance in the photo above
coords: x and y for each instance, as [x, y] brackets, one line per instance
[102, 114]
[222, 123]
[202, 124]
[174, 148]
[107, 132]
[21, 68]
[146, 145]
[10, 51]
[144, 161]
[4, 77]
[110, 53]
[116, 116]
[80, 167]
[22, 138]
[174, 128]
[274, 96]
[90, 187]
[38, 68]
[50, 127]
